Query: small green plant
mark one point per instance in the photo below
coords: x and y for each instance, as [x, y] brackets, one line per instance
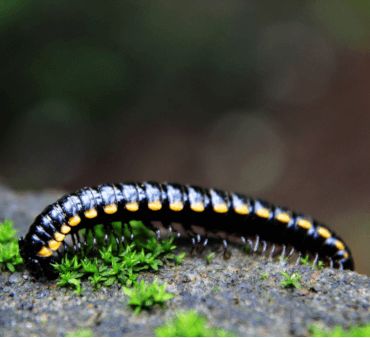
[306, 261]
[281, 259]
[208, 258]
[320, 265]
[291, 281]
[80, 333]
[264, 276]
[10, 258]
[338, 331]
[68, 273]
[116, 265]
[71, 279]
[68, 265]
[248, 248]
[216, 289]
[189, 324]
[144, 296]
[7, 233]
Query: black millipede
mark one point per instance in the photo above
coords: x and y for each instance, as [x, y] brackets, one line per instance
[213, 211]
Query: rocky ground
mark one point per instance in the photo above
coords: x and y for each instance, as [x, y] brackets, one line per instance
[230, 293]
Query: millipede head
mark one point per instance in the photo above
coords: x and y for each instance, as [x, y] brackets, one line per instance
[37, 266]
[21, 244]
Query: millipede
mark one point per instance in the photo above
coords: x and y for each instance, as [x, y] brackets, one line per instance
[208, 211]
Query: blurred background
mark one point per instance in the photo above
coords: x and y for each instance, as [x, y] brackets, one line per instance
[268, 98]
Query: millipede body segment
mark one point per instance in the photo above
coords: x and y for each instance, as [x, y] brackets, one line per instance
[214, 211]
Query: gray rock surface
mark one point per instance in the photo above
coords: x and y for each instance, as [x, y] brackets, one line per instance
[230, 293]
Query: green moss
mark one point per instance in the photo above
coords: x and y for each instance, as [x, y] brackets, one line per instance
[338, 331]
[80, 333]
[291, 281]
[189, 324]
[264, 276]
[10, 258]
[144, 296]
[116, 265]
[208, 258]
[306, 261]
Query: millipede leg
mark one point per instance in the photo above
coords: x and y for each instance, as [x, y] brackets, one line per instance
[204, 245]
[272, 251]
[74, 243]
[264, 247]
[108, 228]
[193, 246]
[176, 233]
[340, 265]
[244, 243]
[198, 239]
[85, 241]
[158, 235]
[283, 252]
[315, 260]
[205, 242]
[291, 253]
[123, 234]
[251, 246]
[78, 243]
[193, 242]
[331, 262]
[115, 237]
[224, 243]
[131, 232]
[299, 258]
[169, 231]
[256, 244]
[106, 237]
[94, 239]
[250, 243]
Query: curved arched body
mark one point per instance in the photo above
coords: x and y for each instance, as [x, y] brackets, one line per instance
[211, 209]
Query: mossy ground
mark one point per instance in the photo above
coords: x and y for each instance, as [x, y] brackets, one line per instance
[231, 294]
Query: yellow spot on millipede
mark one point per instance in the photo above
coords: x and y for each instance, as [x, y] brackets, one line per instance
[65, 229]
[264, 213]
[92, 213]
[75, 220]
[339, 245]
[58, 236]
[304, 224]
[54, 245]
[220, 208]
[45, 252]
[283, 217]
[132, 206]
[323, 232]
[242, 209]
[155, 206]
[197, 207]
[111, 208]
[176, 206]
[345, 255]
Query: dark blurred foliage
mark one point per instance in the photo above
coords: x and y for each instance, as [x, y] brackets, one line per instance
[269, 98]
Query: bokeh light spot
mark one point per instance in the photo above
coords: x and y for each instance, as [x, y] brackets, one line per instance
[244, 152]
